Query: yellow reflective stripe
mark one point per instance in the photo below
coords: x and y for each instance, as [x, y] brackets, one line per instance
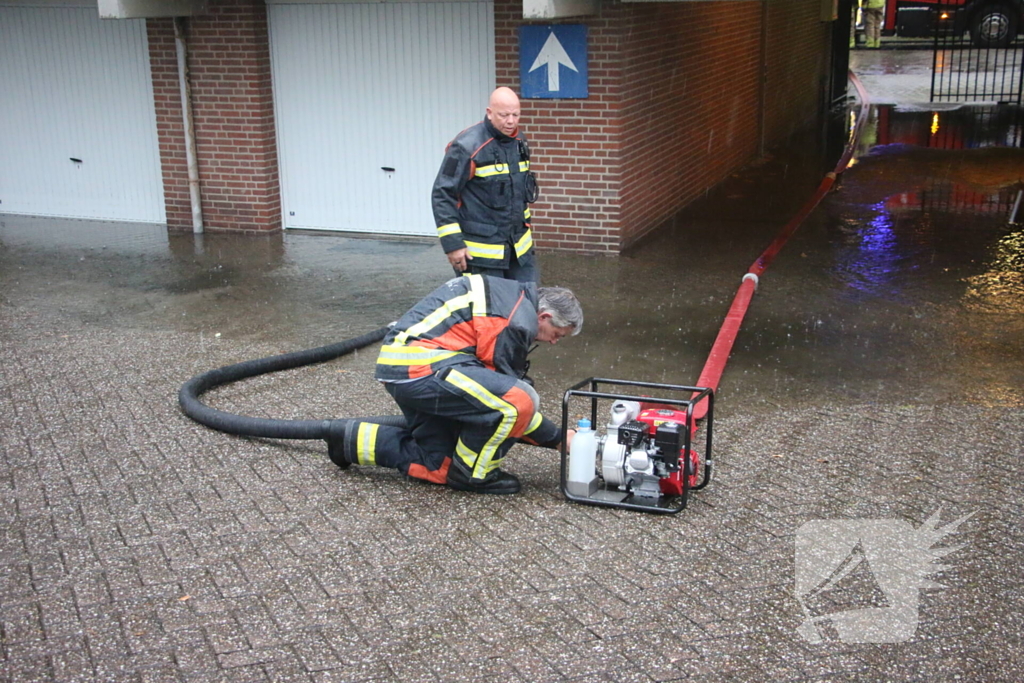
[524, 166]
[534, 423]
[366, 443]
[450, 229]
[478, 295]
[467, 456]
[525, 243]
[397, 354]
[492, 170]
[474, 298]
[436, 318]
[486, 462]
[527, 214]
[485, 250]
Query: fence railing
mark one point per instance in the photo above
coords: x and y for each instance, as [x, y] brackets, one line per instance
[964, 72]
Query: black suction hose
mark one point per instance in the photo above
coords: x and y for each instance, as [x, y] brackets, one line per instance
[332, 431]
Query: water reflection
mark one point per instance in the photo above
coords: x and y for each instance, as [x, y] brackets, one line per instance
[312, 289]
[1000, 288]
[869, 260]
[884, 287]
[951, 161]
[942, 126]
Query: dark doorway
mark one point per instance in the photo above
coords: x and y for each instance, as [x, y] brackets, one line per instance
[841, 51]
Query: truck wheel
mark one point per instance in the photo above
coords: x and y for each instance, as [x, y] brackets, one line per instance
[994, 25]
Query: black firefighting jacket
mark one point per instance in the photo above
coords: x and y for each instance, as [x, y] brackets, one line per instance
[474, 319]
[469, 320]
[482, 196]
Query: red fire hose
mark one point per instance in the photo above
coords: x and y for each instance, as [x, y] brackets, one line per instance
[711, 375]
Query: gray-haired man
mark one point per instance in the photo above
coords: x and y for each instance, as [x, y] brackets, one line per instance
[454, 364]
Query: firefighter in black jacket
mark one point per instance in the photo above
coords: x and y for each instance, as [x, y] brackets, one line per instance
[482, 196]
[454, 364]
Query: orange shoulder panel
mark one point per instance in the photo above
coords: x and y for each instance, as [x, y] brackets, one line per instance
[458, 337]
[487, 331]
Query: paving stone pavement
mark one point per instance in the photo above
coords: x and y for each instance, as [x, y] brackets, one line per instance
[137, 545]
[904, 76]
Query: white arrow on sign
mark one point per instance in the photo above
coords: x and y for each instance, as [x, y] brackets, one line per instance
[552, 54]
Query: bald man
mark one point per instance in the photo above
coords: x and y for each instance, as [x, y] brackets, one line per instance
[482, 196]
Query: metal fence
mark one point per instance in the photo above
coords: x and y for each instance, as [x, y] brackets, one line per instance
[963, 70]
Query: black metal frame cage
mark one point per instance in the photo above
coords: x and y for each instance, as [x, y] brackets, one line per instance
[610, 496]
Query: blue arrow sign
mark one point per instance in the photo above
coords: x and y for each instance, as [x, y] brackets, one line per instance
[553, 61]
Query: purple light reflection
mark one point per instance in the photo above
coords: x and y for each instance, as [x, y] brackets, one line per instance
[872, 260]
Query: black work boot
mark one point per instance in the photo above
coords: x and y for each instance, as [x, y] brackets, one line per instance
[497, 482]
[337, 449]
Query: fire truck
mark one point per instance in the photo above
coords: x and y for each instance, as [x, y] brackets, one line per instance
[990, 23]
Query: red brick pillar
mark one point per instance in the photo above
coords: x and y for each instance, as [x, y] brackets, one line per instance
[233, 111]
[575, 144]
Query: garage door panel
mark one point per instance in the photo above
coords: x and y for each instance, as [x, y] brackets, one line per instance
[360, 88]
[77, 119]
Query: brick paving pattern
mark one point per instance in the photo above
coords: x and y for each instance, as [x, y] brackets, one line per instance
[139, 546]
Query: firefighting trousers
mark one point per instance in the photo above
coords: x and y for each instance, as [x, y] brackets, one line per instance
[466, 417]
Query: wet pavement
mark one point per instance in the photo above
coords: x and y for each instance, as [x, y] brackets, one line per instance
[878, 380]
[904, 76]
[894, 76]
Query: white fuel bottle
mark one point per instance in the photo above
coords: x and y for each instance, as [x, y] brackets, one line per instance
[582, 478]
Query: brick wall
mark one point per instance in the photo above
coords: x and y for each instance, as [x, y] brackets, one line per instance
[229, 62]
[690, 104]
[574, 143]
[674, 107]
[796, 70]
[170, 130]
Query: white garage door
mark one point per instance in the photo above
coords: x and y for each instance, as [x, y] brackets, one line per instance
[366, 97]
[77, 124]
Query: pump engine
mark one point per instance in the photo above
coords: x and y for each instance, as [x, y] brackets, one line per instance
[642, 457]
[644, 454]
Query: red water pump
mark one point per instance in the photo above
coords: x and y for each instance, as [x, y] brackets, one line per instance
[644, 459]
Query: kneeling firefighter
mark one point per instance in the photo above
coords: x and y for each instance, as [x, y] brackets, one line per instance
[455, 365]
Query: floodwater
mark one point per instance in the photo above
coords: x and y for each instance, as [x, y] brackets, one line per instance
[905, 285]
